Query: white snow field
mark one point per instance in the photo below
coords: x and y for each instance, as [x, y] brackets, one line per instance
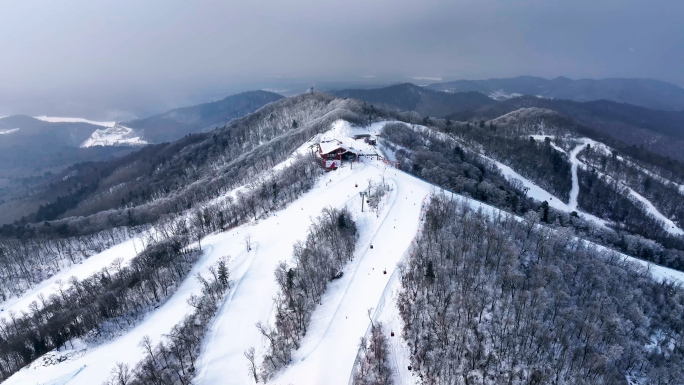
[538, 193]
[8, 131]
[574, 163]
[116, 135]
[125, 250]
[667, 223]
[55, 119]
[328, 351]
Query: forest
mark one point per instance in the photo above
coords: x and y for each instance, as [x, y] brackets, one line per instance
[494, 299]
[437, 156]
[172, 362]
[664, 192]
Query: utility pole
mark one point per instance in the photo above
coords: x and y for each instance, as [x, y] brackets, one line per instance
[363, 198]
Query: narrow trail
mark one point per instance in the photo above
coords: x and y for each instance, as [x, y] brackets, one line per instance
[650, 208]
[574, 192]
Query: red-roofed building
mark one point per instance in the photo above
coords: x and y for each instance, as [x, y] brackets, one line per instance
[332, 152]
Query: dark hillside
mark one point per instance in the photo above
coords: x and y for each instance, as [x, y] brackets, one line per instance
[426, 102]
[173, 124]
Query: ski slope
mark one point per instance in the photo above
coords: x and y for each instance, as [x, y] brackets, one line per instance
[536, 192]
[574, 163]
[344, 305]
[249, 301]
[125, 250]
[328, 351]
[668, 224]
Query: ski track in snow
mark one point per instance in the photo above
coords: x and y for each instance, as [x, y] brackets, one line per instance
[667, 223]
[574, 163]
[354, 267]
[536, 192]
[328, 351]
[338, 324]
[125, 250]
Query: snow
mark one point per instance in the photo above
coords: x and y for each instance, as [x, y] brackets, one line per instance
[538, 193]
[668, 224]
[502, 95]
[338, 324]
[387, 313]
[113, 136]
[8, 131]
[328, 351]
[125, 250]
[94, 365]
[574, 163]
[327, 147]
[608, 151]
[54, 119]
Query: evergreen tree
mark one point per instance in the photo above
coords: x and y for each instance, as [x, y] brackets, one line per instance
[223, 273]
[545, 211]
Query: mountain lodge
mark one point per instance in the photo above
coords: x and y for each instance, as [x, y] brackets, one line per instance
[332, 152]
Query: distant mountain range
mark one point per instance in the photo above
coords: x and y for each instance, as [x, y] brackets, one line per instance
[648, 93]
[425, 101]
[179, 122]
[659, 131]
[36, 143]
[31, 148]
[29, 145]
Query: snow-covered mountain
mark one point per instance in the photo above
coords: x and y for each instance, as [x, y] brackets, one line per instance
[55, 119]
[116, 135]
[647, 93]
[198, 261]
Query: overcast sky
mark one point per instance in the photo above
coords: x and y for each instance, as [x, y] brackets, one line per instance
[121, 57]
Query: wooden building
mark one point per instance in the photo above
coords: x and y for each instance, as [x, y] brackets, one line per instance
[332, 153]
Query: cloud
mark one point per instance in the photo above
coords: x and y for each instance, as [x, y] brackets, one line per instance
[141, 56]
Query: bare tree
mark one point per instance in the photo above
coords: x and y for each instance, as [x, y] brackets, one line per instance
[248, 242]
[249, 354]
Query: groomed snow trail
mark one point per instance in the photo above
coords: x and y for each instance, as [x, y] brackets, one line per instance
[667, 223]
[125, 250]
[253, 291]
[93, 365]
[574, 163]
[234, 331]
[328, 357]
[534, 191]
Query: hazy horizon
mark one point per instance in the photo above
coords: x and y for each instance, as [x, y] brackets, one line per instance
[124, 59]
